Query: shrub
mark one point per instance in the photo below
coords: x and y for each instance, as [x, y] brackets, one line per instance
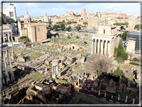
[55, 27]
[77, 37]
[62, 26]
[85, 42]
[68, 28]
[134, 63]
[117, 73]
[69, 37]
[78, 27]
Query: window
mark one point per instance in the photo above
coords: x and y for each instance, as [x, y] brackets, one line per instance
[38, 29]
[104, 31]
[11, 14]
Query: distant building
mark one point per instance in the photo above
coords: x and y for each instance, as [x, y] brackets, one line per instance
[46, 19]
[35, 31]
[131, 46]
[83, 13]
[10, 12]
[22, 18]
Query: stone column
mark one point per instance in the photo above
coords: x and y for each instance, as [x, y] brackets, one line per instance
[133, 101]
[98, 46]
[102, 48]
[95, 45]
[8, 37]
[92, 47]
[6, 72]
[12, 74]
[109, 49]
[105, 48]
[3, 38]
[126, 99]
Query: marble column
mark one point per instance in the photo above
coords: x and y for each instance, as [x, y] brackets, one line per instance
[3, 38]
[94, 51]
[8, 37]
[95, 46]
[92, 47]
[105, 50]
[102, 47]
[12, 74]
[98, 46]
[109, 49]
[6, 72]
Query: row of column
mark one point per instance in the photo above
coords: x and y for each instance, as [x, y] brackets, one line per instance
[9, 37]
[100, 47]
[5, 65]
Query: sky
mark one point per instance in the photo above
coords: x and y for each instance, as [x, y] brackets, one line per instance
[39, 9]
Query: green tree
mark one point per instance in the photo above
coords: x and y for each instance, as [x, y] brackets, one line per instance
[73, 22]
[85, 42]
[69, 37]
[68, 28]
[55, 27]
[77, 37]
[10, 20]
[85, 23]
[124, 35]
[78, 27]
[118, 72]
[138, 26]
[69, 22]
[22, 21]
[62, 26]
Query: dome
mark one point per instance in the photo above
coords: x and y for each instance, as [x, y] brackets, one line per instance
[27, 15]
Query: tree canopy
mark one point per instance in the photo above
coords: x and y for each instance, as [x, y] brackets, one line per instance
[85, 23]
[62, 26]
[78, 27]
[68, 28]
[124, 35]
[117, 73]
[120, 53]
[138, 26]
[10, 20]
[98, 63]
[55, 27]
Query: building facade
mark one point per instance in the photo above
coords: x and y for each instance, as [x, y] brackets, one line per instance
[10, 12]
[35, 31]
[133, 42]
[105, 40]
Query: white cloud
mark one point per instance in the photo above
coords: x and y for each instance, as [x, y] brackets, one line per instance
[54, 8]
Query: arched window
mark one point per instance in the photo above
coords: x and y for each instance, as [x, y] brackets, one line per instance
[38, 29]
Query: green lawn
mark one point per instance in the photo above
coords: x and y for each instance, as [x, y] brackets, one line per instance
[124, 94]
[35, 76]
[27, 53]
[85, 98]
[127, 66]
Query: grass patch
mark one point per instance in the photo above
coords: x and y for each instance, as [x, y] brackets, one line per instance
[124, 94]
[134, 63]
[86, 98]
[36, 76]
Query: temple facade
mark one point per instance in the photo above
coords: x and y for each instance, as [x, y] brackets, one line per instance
[105, 40]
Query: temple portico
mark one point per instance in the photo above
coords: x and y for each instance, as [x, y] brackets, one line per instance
[105, 40]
